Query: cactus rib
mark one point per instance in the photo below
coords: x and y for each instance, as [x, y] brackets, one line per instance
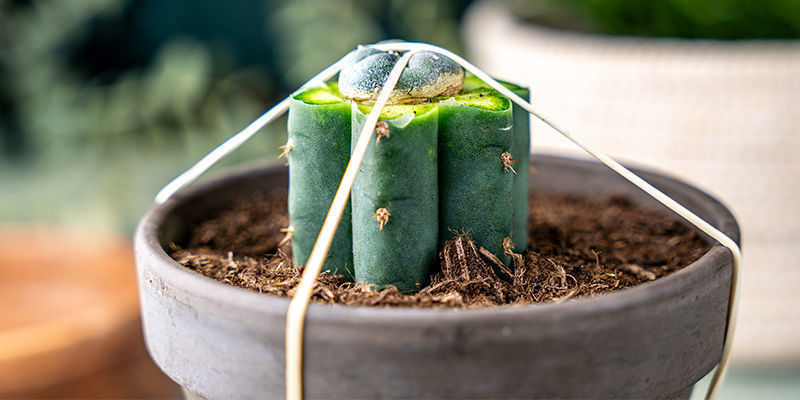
[395, 199]
[318, 150]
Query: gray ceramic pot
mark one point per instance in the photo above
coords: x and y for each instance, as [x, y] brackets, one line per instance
[651, 341]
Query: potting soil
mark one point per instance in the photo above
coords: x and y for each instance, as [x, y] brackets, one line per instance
[578, 247]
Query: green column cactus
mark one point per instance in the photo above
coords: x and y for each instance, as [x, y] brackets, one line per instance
[521, 150]
[476, 168]
[395, 198]
[318, 149]
[445, 159]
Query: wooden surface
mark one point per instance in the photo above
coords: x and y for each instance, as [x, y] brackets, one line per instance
[69, 325]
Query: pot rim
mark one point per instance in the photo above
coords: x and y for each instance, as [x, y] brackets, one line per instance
[227, 295]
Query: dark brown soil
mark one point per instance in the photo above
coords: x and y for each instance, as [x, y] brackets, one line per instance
[579, 247]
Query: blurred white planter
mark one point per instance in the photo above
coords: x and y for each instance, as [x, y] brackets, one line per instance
[725, 115]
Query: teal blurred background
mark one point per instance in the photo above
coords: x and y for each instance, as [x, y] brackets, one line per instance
[102, 102]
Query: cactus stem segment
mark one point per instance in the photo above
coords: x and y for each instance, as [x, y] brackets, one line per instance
[289, 231]
[382, 215]
[381, 130]
[508, 162]
[286, 148]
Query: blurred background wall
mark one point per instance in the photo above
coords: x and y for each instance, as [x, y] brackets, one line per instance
[104, 101]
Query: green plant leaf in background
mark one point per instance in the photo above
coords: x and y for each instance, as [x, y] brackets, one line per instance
[96, 150]
[104, 101]
[312, 34]
[707, 19]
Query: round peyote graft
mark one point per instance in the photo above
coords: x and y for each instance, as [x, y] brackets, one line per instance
[427, 75]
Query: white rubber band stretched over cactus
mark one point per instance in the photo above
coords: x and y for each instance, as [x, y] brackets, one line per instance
[716, 234]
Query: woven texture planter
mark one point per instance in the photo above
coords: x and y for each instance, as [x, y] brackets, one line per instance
[722, 114]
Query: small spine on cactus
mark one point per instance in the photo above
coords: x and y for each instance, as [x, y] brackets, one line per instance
[520, 148]
[395, 197]
[318, 149]
[475, 177]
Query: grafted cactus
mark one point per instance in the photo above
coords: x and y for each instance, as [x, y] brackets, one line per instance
[445, 160]
[318, 149]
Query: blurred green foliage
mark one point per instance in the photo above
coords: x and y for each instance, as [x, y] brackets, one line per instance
[104, 101]
[710, 19]
[311, 34]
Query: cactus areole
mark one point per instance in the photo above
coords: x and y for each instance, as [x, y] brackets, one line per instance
[450, 156]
